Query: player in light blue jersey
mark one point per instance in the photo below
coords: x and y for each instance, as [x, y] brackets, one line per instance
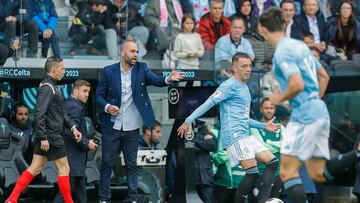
[302, 81]
[234, 99]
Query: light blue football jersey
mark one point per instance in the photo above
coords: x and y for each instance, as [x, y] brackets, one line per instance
[293, 56]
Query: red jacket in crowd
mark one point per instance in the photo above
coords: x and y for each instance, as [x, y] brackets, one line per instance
[207, 30]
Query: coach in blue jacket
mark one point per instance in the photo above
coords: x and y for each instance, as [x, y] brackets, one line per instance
[121, 94]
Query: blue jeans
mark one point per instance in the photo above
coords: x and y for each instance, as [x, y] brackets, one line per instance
[112, 144]
[54, 42]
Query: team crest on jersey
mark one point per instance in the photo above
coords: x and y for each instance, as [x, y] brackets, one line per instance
[217, 94]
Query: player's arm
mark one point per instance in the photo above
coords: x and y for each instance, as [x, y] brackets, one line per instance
[295, 86]
[323, 79]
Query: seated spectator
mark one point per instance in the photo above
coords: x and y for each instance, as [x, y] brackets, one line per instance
[205, 142]
[228, 45]
[162, 16]
[44, 14]
[119, 24]
[12, 22]
[343, 32]
[20, 123]
[151, 137]
[5, 52]
[89, 24]
[188, 47]
[309, 39]
[289, 9]
[260, 6]
[250, 20]
[311, 21]
[213, 25]
[270, 85]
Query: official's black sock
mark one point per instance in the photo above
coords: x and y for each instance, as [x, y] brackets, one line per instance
[339, 165]
[246, 184]
[267, 180]
[295, 190]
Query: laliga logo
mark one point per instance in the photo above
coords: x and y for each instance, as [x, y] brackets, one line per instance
[189, 135]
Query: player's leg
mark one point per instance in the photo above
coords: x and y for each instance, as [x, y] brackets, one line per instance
[297, 144]
[241, 151]
[27, 176]
[63, 178]
[289, 174]
[267, 179]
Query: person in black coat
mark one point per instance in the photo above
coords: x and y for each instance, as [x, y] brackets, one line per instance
[50, 121]
[5, 52]
[205, 142]
[77, 151]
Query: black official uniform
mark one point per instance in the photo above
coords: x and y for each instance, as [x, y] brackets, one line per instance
[49, 119]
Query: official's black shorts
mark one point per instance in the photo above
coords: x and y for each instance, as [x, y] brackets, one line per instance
[52, 154]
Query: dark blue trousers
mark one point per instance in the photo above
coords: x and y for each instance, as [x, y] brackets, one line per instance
[112, 144]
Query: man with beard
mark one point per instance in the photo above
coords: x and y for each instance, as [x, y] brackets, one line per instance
[122, 95]
[19, 123]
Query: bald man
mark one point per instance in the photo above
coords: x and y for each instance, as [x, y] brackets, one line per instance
[122, 95]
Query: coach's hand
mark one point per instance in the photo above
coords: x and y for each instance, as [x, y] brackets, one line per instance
[175, 76]
[271, 126]
[44, 145]
[183, 129]
[77, 134]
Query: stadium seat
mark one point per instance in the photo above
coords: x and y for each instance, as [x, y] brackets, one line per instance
[12, 164]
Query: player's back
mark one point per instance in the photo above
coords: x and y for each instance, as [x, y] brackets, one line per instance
[293, 56]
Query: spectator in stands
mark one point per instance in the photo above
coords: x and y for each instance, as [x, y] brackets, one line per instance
[309, 39]
[12, 22]
[5, 52]
[260, 6]
[89, 24]
[312, 21]
[188, 46]
[213, 25]
[205, 142]
[270, 140]
[120, 24]
[228, 45]
[289, 9]
[44, 14]
[343, 31]
[151, 136]
[20, 123]
[76, 151]
[162, 16]
[250, 20]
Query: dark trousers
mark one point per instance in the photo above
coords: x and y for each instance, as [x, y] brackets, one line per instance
[112, 144]
[205, 192]
[8, 28]
[224, 195]
[46, 42]
[78, 190]
[31, 28]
